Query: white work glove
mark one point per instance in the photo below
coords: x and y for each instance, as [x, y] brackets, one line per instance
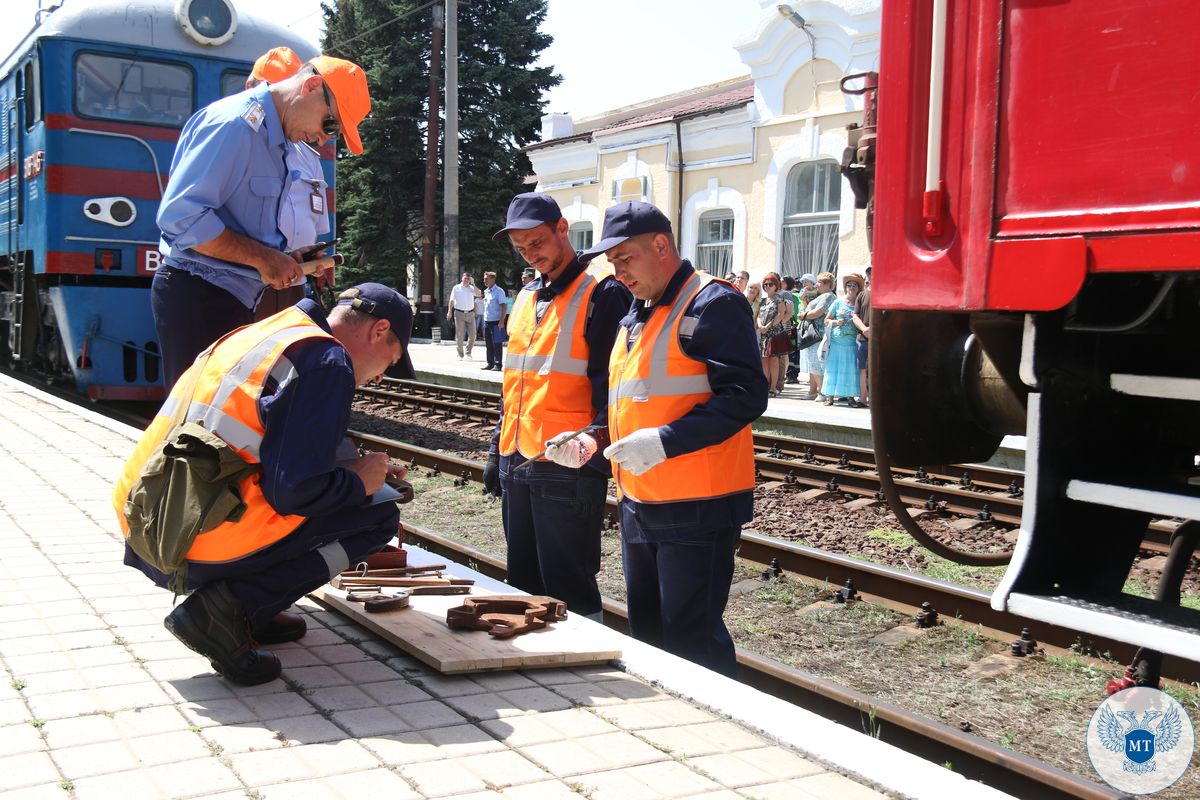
[571, 452]
[637, 452]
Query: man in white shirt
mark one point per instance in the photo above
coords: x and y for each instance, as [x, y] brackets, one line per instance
[461, 312]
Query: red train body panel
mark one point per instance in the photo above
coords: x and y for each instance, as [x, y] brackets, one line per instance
[1069, 145]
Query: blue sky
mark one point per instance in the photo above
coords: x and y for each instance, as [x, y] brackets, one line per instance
[611, 53]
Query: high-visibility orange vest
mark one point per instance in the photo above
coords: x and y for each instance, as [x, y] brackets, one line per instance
[225, 402]
[654, 383]
[546, 387]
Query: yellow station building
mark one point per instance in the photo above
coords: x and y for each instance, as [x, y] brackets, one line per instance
[747, 169]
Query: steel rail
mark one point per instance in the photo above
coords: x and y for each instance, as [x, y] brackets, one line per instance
[970, 490]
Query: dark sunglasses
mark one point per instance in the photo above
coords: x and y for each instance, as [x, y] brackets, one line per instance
[330, 124]
[769, 283]
[852, 283]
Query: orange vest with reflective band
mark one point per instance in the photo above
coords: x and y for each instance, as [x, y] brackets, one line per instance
[654, 383]
[546, 387]
[225, 402]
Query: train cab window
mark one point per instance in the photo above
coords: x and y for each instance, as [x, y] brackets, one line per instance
[233, 82]
[33, 95]
[133, 90]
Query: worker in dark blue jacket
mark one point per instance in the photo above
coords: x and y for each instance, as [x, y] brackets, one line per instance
[685, 382]
[560, 333]
[306, 511]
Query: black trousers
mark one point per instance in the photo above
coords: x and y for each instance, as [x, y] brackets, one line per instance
[495, 350]
[270, 580]
[677, 591]
[190, 314]
[552, 519]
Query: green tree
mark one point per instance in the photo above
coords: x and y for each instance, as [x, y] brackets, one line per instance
[381, 193]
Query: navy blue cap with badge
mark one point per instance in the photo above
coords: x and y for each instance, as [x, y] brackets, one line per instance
[386, 303]
[624, 221]
[527, 211]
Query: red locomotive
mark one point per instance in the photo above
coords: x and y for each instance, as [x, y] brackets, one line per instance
[1036, 247]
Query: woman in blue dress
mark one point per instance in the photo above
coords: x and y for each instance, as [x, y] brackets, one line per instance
[841, 364]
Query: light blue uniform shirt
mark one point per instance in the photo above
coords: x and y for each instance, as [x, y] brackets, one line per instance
[493, 298]
[228, 172]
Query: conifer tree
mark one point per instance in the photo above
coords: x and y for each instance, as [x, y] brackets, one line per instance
[380, 194]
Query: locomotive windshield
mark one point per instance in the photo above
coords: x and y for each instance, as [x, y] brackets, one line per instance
[232, 82]
[133, 90]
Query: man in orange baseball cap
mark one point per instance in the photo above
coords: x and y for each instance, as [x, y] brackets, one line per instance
[228, 175]
[301, 222]
[273, 66]
[347, 83]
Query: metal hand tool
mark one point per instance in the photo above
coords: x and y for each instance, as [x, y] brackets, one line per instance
[375, 602]
[345, 582]
[363, 571]
[542, 455]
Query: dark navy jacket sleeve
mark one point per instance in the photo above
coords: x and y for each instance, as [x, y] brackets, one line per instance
[610, 303]
[305, 420]
[725, 339]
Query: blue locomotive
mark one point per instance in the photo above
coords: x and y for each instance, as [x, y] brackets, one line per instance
[94, 98]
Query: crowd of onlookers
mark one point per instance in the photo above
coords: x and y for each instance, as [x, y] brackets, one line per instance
[806, 327]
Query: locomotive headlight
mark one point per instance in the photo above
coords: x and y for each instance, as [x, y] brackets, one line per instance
[209, 22]
[118, 211]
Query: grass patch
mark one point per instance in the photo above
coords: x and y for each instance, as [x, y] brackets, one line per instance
[937, 567]
[1140, 588]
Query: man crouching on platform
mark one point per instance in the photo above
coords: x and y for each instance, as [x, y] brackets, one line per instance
[242, 490]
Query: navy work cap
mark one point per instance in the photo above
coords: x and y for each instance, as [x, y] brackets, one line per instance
[626, 220]
[386, 303]
[529, 210]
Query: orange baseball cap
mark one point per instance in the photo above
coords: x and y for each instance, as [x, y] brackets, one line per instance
[277, 64]
[348, 83]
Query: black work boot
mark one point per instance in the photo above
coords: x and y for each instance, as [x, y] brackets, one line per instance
[283, 627]
[211, 622]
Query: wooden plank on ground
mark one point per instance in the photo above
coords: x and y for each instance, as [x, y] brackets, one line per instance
[421, 631]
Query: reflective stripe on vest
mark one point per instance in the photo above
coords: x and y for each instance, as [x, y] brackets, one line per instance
[546, 388]
[653, 383]
[225, 402]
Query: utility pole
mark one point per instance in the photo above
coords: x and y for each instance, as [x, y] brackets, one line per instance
[450, 266]
[429, 232]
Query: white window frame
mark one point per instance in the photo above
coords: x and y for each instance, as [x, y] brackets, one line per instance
[576, 231]
[826, 214]
[709, 251]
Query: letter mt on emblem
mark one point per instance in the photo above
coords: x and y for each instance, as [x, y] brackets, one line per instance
[1140, 740]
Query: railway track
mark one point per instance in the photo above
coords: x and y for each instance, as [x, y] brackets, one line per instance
[970, 755]
[973, 493]
[897, 589]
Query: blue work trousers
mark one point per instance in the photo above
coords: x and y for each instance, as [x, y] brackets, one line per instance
[270, 580]
[552, 519]
[190, 314]
[676, 592]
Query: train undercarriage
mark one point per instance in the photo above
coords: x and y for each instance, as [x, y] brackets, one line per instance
[1105, 390]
